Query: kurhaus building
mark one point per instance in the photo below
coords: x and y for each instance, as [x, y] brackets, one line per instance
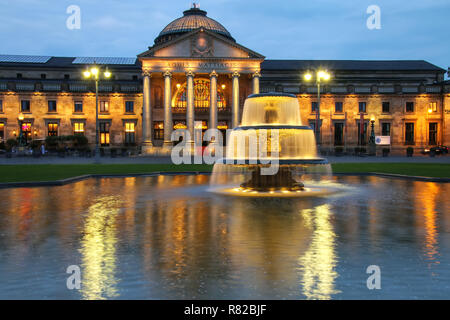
[196, 71]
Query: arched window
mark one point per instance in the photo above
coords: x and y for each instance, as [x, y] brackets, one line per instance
[201, 97]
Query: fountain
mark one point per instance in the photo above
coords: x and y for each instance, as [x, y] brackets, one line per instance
[271, 153]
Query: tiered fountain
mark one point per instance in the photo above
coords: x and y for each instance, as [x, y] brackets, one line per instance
[290, 145]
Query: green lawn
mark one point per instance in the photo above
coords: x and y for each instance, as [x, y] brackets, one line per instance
[48, 172]
[20, 173]
[410, 169]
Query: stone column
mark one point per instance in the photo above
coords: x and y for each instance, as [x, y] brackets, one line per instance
[256, 77]
[167, 108]
[213, 101]
[235, 100]
[146, 114]
[190, 105]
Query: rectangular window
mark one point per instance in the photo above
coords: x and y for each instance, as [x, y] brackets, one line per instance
[129, 106]
[313, 107]
[432, 133]
[385, 107]
[410, 107]
[158, 130]
[52, 129]
[78, 128]
[25, 106]
[104, 106]
[362, 136]
[338, 134]
[26, 130]
[409, 133]
[385, 129]
[433, 107]
[130, 133]
[52, 106]
[78, 106]
[362, 107]
[338, 107]
[2, 132]
[104, 133]
[1, 105]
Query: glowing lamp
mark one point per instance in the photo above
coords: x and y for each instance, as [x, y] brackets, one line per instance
[87, 74]
[308, 76]
[94, 71]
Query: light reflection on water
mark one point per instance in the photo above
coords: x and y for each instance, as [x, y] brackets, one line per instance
[166, 237]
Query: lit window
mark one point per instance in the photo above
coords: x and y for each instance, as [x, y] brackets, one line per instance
[433, 106]
[104, 106]
[52, 128]
[2, 132]
[78, 127]
[130, 133]
[158, 130]
[104, 133]
[201, 96]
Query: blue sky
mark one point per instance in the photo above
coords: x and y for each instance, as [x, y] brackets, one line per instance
[288, 29]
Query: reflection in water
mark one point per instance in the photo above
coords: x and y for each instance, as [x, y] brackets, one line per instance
[318, 263]
[426, 198]
[98, 250]
[167, 238]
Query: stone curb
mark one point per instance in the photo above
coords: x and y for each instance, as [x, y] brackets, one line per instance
[150, 174]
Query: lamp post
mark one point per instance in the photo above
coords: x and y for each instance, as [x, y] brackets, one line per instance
[372, 136]
[94, 73]
[320, 76]
[20, 118]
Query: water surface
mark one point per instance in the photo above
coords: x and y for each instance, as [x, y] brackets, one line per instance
[166, 237]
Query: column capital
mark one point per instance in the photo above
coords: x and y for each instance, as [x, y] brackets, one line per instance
[235, 74]
[167, 74]
[256, 74]
[213, 74]
[190, 74]
[146, 73]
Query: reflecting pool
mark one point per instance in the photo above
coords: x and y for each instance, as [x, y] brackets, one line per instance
[166, 237]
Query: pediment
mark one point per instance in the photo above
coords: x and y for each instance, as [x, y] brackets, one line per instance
[201, 43]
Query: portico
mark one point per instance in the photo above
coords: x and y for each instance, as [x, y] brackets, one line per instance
[205, 75]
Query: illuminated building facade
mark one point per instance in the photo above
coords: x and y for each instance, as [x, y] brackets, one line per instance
[196, 71]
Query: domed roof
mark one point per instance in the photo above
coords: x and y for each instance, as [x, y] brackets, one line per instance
[192, 19]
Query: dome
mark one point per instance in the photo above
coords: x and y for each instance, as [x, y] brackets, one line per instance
[192, 19]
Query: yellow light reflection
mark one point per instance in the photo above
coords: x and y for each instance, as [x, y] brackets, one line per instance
[427, 196]
[318, 263]
[98, 250]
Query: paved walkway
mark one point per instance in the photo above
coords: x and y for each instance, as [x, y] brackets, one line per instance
[155, 160]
